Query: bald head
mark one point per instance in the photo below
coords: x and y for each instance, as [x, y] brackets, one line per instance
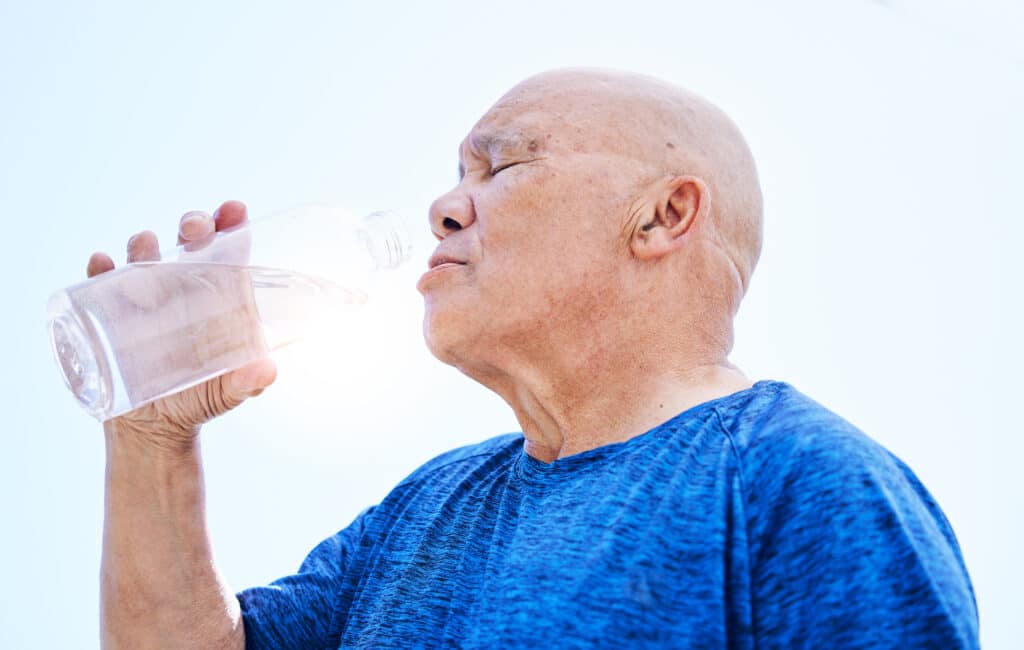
[670, 132]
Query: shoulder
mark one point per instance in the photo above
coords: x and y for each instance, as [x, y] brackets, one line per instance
[781, 430]
[800, 462]
[837, 524]
[463, 461]
[807, 472]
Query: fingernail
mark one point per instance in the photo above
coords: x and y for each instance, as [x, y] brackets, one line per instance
[193, 225]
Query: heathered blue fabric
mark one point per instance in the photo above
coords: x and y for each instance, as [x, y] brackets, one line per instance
[759, 519]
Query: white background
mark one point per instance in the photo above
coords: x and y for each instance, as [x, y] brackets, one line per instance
[889, 140]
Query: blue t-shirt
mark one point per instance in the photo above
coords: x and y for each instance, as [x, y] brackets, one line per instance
[759, 519]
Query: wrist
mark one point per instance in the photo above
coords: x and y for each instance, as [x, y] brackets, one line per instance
[151, 441]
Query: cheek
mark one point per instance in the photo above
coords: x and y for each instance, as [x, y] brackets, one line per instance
[546, 241]
[540, 287]
[527, 220]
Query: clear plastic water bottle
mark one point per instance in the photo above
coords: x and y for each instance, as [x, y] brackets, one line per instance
[150, 329]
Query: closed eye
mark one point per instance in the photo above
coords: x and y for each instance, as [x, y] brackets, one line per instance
[500, 168]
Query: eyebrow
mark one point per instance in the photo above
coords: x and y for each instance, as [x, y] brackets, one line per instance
[498, 141]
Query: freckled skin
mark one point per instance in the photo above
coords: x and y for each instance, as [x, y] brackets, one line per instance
[606, 256]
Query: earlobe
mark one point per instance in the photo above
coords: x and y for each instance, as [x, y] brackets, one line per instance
[679, 203]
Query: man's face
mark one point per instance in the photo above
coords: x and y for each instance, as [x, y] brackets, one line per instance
[534, 229]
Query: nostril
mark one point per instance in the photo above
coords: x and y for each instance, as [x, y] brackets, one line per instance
[451, 224]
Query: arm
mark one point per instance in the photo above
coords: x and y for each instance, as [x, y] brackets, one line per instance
[849, 550]
[159, 586]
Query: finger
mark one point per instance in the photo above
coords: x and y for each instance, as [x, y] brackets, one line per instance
[232, 245]
[194, 226]
[99, 263]
[143, 247]
[248, 381]
[230, 214]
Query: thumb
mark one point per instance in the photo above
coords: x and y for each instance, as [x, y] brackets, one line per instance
[247, 381]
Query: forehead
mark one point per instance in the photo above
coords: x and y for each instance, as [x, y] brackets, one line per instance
[554, 110]
[503, 128]
[527, 111]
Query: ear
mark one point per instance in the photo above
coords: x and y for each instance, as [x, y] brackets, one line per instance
[674, 209]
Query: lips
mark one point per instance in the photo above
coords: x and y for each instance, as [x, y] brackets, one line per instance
[439, 264]
[437, 259]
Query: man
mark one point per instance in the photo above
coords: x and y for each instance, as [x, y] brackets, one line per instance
[590, 262]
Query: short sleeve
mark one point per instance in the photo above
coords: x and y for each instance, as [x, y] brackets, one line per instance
[297, 611]
[848, 550]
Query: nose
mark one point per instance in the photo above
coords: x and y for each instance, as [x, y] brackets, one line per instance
[450, 212]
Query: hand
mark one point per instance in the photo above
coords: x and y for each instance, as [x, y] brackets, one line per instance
[174, 421]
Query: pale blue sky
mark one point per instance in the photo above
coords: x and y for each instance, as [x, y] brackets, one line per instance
[889, 141]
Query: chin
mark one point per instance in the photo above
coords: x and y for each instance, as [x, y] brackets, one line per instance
[456, 337]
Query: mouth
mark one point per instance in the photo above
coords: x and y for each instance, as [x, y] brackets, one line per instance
[436, 267]
[437, 260]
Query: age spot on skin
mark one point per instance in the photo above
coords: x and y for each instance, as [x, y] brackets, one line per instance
[670, 145]
[532, 146]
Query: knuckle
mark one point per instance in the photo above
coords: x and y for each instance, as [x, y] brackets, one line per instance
[211, 399]
[219, 398]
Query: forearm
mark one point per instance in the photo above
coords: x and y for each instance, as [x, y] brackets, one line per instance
[159, 585]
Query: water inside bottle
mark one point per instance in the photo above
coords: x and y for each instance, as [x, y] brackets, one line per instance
[153, 329]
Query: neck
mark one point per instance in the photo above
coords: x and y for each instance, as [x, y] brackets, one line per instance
[562, 415]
